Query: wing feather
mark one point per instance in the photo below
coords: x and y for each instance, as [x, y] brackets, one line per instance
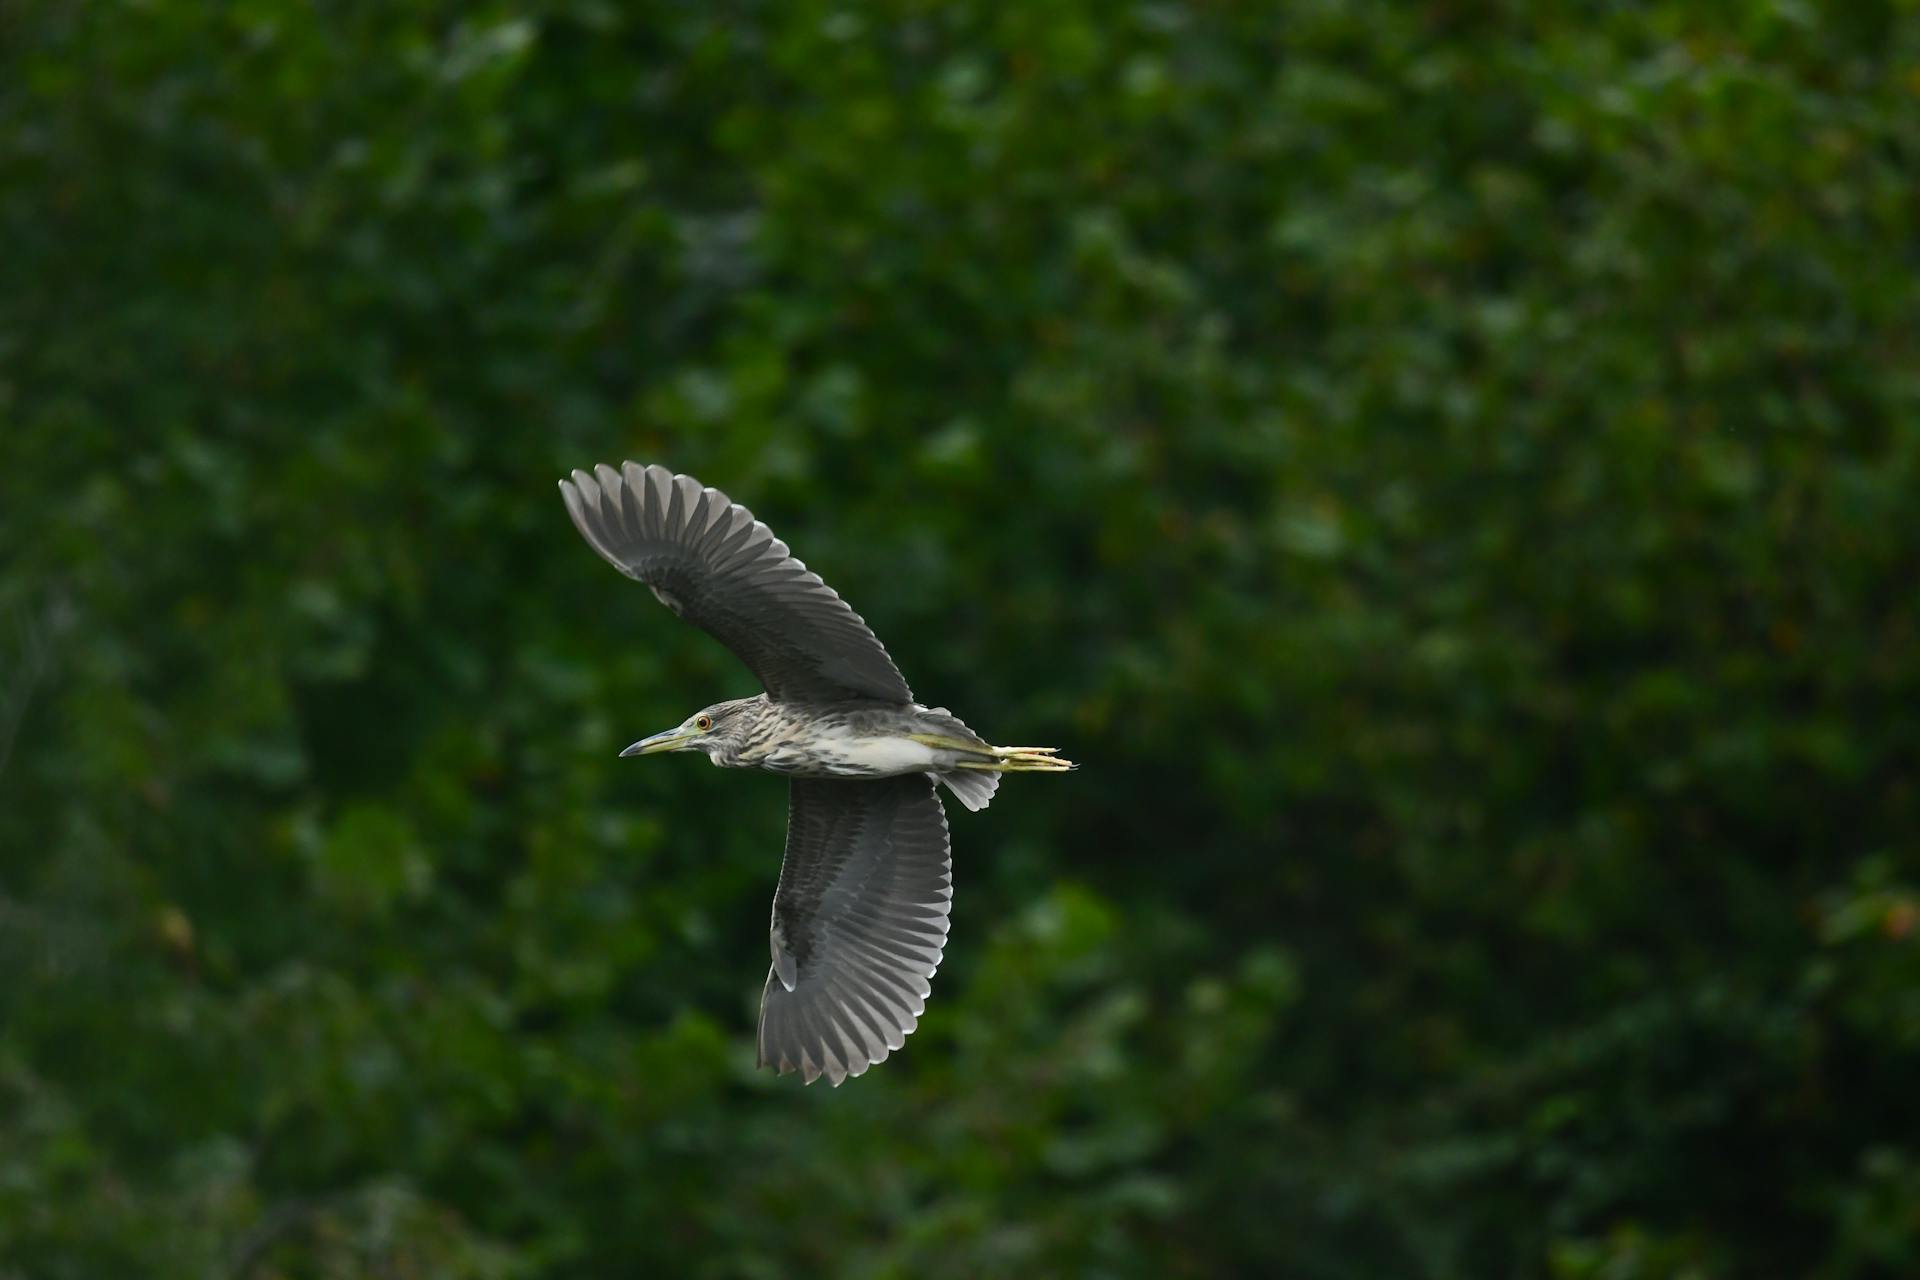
[725, 572]
[862, 909]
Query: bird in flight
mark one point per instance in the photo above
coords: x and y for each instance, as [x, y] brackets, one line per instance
[860, 915]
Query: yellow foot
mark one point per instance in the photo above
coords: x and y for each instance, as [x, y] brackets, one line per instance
[1000, 759]
[1021, 760]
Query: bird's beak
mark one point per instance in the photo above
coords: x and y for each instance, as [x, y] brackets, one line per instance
[671, 740]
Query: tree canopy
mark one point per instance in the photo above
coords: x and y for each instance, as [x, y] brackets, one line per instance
[1447, 471]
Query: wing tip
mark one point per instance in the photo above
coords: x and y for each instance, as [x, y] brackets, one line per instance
[838, 1050]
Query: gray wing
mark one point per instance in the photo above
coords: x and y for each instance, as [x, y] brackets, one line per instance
[711, 562]
[859, 922]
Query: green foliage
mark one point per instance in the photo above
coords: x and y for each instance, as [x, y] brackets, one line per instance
[1448, 471]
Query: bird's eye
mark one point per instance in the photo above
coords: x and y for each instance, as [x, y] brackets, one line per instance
[703, 723]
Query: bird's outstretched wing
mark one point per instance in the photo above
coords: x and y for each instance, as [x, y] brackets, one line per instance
[712, 563]
[859, 921]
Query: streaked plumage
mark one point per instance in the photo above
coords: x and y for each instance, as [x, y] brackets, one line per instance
[860, 915]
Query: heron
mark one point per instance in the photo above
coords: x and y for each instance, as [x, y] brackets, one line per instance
[861, 911]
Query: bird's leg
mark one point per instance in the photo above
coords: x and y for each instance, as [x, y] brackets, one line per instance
[1020, 760]
[999, 759]
[950, 744]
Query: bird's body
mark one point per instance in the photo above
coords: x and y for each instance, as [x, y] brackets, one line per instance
[860, 916]
[850, 739]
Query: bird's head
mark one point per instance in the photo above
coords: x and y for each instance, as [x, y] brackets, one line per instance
[718, 730]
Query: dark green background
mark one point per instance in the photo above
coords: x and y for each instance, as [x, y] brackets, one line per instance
[1448, 470]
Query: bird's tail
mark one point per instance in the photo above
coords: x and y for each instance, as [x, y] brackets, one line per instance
[984, 764]
[974, 790]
